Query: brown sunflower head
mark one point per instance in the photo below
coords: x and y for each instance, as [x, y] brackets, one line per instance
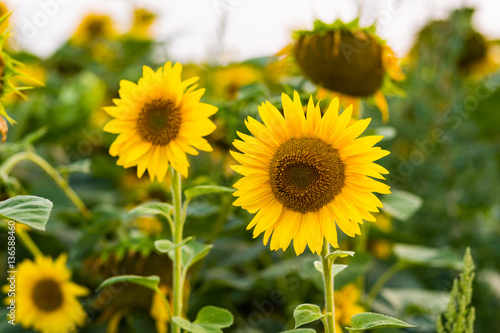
[341, 58]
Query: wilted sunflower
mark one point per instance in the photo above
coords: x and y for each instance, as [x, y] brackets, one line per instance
[303, 174]
[46, 299]
[159, 120]
[345, 59]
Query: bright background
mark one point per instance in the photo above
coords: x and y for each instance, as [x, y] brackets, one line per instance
[252, 27]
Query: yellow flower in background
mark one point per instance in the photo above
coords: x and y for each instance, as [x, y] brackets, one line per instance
[348, 61]
[346, 306]
[143, 19]
[160, 120]
[46, 299]
[304, 174]
[149, 225]
[228, 80]
[93, 28]
[384, 222]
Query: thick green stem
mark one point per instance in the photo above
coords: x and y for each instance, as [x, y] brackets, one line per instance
[178, 275]
[328, 278]
[382, 280]
[28, 242]
[10, 163]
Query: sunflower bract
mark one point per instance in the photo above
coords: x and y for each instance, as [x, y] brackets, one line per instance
[305, 174]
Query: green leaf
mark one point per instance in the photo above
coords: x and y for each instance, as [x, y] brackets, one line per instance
[215, 316]
[196, 191]
[192, 252]
[26, 209]
[336, 269]
[300, 330]
[402, 205]
[210, 319]
[428, 256]
[339, 253]
[165, 245]
[150, 282]
[369, 320]
[152, 208]
[319, 266]
[307, 313]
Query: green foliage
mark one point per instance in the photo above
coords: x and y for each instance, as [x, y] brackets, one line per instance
[367, 321]
[400, 204]
[150, 282]
[30, 210]
[209, 319]
[307, 313]
[460, 314]
[192, 252]
[427, 256]
[196, 191]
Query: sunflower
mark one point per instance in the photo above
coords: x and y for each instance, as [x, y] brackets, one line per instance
[346, 60]
[159, 121]
[93, 28]
[46, 299]
[143, 19]
[346, 306]
[303, 174]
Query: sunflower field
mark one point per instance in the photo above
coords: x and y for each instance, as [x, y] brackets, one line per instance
[331, 186]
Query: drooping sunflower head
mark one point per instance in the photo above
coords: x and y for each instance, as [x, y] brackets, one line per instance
[346, 59]
[93, 28]
[46, 299]
[303, 174]
[159, 120]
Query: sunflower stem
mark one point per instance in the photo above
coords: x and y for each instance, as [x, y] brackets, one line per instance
[178, 275]
[28, 242]
[11, 162]
[329, 283]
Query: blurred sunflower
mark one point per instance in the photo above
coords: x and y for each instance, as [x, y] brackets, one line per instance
[143, 19]
[3, 11]
[159, 120]
[303, 174]
[344, 59]
[46, 299]
[93, 28]
[346, 306]
[228, 80]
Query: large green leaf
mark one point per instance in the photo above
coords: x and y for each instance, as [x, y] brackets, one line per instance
[26, 209]
[196, 191]
[428, 256]
[369, 320]
[210, 319]
[307, 313]
[150, 282]
[400, 204]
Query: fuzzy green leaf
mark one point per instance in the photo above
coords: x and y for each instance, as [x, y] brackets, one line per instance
[196, 191]
[192, 252]
[336, 269]
[30, 210]
[307, 313]
[165, 245]
[369, 320]
[210, 319]
[339, 254]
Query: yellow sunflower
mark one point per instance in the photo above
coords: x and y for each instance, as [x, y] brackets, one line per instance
[305, 173]
[346, 60]
[159, 120]
[93, 28]
[46, 299]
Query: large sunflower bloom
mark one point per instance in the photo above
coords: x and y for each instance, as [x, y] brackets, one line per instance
[303, 174]
[159, 121]
[46, 299]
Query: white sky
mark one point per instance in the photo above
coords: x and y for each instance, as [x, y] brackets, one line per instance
[253, 27]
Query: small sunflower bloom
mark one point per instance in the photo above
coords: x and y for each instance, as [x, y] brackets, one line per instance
[46, 299]
[159, 120]
[304, 173]
[93, 28]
